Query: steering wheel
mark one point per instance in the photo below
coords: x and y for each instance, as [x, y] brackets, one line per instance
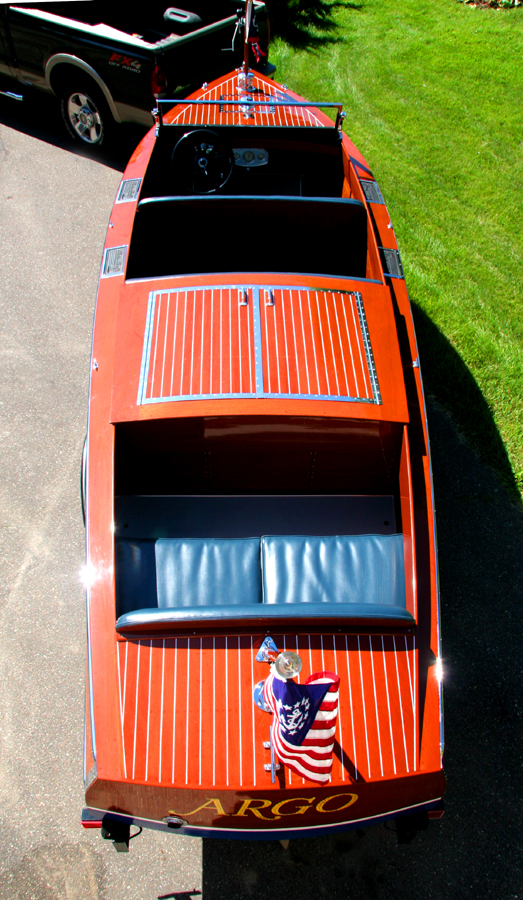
[202, 161]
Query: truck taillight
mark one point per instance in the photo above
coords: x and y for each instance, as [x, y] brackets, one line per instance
[158, 82]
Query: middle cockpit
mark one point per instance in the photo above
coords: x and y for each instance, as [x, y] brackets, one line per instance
[234, 198]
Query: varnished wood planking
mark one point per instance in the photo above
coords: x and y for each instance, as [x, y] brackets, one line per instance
[227, 114]
[188, 717]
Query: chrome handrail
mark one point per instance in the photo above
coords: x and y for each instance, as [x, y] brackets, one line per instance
[250, 103]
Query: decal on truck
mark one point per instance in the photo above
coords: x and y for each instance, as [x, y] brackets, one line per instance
[125, 62]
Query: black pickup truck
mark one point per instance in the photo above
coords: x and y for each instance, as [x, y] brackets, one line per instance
[108, 62]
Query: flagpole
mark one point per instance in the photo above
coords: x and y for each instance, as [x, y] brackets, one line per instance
[273, 760]
[248, 16]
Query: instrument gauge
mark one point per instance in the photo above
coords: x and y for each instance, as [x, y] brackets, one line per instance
[249, 157]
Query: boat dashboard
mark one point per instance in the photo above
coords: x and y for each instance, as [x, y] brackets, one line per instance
[243, 160]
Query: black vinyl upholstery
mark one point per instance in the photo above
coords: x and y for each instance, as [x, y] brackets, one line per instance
[322, 235]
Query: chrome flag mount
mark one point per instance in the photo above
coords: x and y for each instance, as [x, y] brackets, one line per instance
[305, 715]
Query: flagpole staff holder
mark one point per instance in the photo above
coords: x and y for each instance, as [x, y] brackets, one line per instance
[287, 665]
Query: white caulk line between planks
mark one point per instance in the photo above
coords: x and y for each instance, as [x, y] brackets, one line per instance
[174, 702]
[339, 711]
[388, 703]
[161, 714]
[148, 710]
[364, 711]
[376, 704]
[401, 705]
[351, 710]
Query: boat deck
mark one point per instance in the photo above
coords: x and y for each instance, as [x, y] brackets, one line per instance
[188, 719]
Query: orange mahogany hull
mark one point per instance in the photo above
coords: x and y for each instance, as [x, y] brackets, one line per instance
[171, 727]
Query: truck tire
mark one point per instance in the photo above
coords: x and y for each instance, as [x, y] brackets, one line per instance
[85, 113]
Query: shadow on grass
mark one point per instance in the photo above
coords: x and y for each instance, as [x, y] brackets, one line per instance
[450, 382]
[308, 25]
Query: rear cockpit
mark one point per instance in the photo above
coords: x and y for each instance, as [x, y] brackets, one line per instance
[222, 487]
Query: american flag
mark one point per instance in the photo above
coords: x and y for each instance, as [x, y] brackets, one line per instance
[304, 722]
[253, 36]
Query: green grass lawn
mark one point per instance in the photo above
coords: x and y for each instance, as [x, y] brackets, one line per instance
[433, 91]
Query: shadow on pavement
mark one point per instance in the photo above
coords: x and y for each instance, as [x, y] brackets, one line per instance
[474, 851]
[38, 116]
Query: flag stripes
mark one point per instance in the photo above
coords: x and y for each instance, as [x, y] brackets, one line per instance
[312, 757]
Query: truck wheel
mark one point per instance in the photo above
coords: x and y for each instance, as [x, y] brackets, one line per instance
[85, 114]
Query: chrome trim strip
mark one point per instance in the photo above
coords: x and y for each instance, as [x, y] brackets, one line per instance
[92, 814]
[90, 675]
[245, 275]
[248, 106]
[260, 395]
[436, 560]
[258, 357]
[144, 371]
[368, 349]
[12, 95]
[216, 396]
[87, 540]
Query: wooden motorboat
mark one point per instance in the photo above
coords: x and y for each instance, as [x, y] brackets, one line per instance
[257, 487]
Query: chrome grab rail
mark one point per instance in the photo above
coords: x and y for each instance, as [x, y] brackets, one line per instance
[251, 103]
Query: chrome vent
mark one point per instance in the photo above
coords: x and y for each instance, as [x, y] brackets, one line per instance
[372, 192]
[129, 190]
[114, 261]
[391, 262]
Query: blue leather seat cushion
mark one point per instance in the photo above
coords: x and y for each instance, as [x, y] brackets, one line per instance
[362, 569]
[207, 572]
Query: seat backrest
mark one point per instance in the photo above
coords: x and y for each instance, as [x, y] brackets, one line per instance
[323, 235]
[361, 569]
[199, 572]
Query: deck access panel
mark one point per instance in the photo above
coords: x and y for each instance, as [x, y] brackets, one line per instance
[225, 342]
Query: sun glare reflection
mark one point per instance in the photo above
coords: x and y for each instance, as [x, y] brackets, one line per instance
[439, 670]
[87, 575]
